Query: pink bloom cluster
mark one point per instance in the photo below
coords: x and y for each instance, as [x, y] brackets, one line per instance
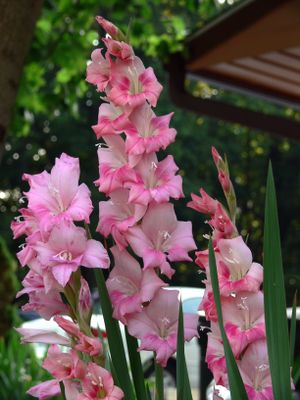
[242, 301]
[138, 186]
[55, 247]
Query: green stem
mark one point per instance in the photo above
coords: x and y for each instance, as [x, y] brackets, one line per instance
[159, 382]
[114, 338]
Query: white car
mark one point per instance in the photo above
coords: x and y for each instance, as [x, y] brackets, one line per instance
[191, 298]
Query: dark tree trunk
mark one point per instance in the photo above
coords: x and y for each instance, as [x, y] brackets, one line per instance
[17, 22]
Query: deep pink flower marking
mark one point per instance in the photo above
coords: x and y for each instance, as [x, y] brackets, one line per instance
[111, 120]
[132, 84]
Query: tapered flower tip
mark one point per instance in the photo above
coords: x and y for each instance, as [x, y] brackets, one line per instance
[108, 26]
[216, 156]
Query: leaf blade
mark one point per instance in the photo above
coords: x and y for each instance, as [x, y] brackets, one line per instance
[274, 298]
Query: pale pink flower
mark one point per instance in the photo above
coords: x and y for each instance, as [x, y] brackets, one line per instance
[216, 156]
[56, 197]
[24, 224]
[99, 69]
[202, 259]
[254, 369]
[113, 165]
[117, 215]
[156, 326]
[32, 282]
[203, 203]
[148, 133]
[27, 254]
[118, 49]
[111, 120]
[63, 365]
[67, 249]
[108, 26]
[243, 316]
[132, 84]
[46, 304]
[129, 286]
[236, 270]
[42, 336]
[161, 236]
[98, 384]
[45, 390]
[156, 181]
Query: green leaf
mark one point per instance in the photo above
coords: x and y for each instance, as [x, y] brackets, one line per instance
[182, 379]
[293, 330]
[114, 337]
[62, 389]
[159, 382]
[136, 367]
[274, 298]
[237, 389]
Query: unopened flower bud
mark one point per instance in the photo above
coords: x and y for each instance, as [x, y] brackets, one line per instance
[85, 300]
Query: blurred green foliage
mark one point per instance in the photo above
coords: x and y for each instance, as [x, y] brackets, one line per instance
[8, 288]
[19, 369]
[55, 109]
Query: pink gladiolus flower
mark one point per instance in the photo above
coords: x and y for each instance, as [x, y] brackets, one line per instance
[204, 203]
[42, 336]
[148, 133]
[254, 368]
[156, 181]
[98, 384]
[116, 216]
[132, 84]
[111, 120]
[235, 268]
[67, 249]
[45, 390]
[56, 197]
[156, 326]
[24, 224]
[46, 304]
[108, 26]
[113, 165]
[98, 71]
[118, 49]
[224, 181]
[129, 286]
[63, 365]
[243, 319]
[161, 236]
